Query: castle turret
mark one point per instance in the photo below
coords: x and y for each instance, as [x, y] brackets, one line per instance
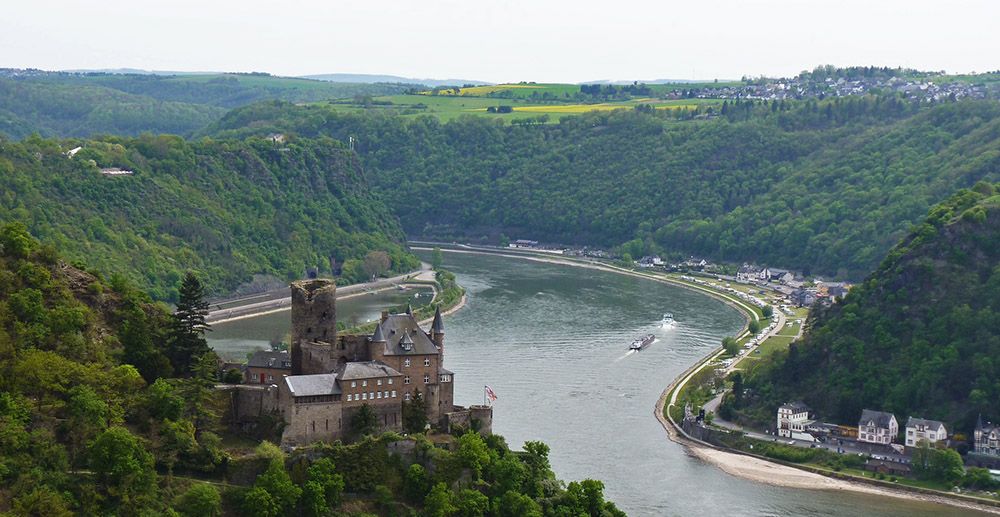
[314, 320]
[437, 332]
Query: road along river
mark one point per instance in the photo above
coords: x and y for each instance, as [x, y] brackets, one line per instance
[551, 341]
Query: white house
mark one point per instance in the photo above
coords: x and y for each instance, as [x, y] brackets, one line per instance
[877, 427]
[749, 273]
[918, 429]
[793, 417]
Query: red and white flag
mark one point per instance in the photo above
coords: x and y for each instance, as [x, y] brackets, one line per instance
[490, 394]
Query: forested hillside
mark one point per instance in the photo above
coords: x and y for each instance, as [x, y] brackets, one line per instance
[94, 421]
[920, 337]
[64, 104]
[826, 187]
[227, 209]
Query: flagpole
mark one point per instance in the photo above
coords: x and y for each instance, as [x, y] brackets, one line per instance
[484, 395]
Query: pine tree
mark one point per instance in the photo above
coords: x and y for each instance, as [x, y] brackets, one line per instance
[187, 334]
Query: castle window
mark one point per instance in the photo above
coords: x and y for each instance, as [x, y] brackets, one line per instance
[364, 396]
[393, 393]
[371, 395]
[379, 382]
[348, 397]
[354, 384]
[390, 380]
[364, 383]
[427, 361]
[406, 362]
[386, 394]
[406, 397]
[427, 378]
[379, 394]
[406, 380]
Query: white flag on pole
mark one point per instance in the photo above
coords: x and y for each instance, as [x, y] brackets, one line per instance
[490, 394]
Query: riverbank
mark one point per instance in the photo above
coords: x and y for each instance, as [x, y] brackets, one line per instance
[745, 466]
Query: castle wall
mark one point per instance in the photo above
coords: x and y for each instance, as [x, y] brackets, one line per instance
[318, 421]
[249, 402]
[312, 357]
[478, 417]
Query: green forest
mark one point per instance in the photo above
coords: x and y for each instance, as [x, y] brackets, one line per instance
[227, 209]
[919, 337]
[108, 407]
[66, 104]
[822, 186]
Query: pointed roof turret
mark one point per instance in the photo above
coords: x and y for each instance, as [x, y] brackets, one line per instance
[409, 310]
[979, 421]
[378, 337]
[438, 325]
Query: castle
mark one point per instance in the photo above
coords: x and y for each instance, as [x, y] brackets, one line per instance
[333, 376]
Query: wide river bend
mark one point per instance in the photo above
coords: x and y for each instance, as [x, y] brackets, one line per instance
[551, 341]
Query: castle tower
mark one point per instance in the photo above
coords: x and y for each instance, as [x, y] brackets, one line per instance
[314, 319]
[437, 334]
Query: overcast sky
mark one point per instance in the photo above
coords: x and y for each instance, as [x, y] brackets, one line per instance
[502, 40]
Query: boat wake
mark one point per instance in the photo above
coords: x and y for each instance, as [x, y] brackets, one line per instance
[630, 352]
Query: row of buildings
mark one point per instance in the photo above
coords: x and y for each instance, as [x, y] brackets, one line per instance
[795, 420]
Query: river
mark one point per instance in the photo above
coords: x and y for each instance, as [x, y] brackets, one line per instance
[551, 341]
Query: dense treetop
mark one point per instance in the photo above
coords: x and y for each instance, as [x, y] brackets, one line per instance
[821, 186]
[72, 104]
[227, 209]
[919, 337]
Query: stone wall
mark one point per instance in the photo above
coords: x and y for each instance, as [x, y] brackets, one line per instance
[473, 417]
[318, 421]
[247, 404]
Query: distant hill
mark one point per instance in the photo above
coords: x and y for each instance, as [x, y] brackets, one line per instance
[919, 337]
[64, 104]
[825, 187]
[227, 209]
[376, 78]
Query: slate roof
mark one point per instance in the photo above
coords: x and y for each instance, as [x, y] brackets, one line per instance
[438, 325]
[796, 407]
[880, 418]
[270, 359]
[398, 328]
[929, 424]
[366, 370]
[311, 385]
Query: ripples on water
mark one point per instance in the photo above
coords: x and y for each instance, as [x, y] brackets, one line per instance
[552, 342]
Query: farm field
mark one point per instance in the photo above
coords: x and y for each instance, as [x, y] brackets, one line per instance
[447, 107]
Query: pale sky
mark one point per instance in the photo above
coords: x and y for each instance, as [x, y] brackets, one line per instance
[502, 40]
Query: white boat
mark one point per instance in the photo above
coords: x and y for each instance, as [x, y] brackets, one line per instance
[668, 321]
[642, 342]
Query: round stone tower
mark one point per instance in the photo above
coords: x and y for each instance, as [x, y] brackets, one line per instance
[314, 320]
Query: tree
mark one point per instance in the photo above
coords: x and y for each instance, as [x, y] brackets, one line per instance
[516, 504]
[163, 402]
[767, 311]
[276, 482]
[259, 502]
[414, 414]
[187, 333]
[198, 391]
[731, 346]
[437, 258]
[323, 488]
[754, 327]
[376, 263]
[737, 389]
[415, 483]
[201, 500]
[438, 502]
[88, 414]
[44, 501]
[473, 453]
[472, 503]
[122, 466]
[364, 421]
